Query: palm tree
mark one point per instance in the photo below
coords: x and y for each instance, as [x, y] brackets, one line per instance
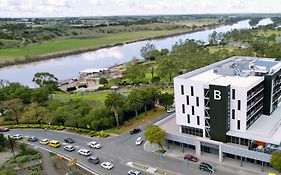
[145, 99]
[153, 94]
[134, 101]
[114, 101]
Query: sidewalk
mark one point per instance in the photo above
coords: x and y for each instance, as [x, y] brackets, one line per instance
[48, 167]
[228, 164]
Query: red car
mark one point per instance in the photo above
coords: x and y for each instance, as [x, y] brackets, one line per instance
[190, 158]
[4, 129]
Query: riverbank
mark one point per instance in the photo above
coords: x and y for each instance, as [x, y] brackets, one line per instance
[68, 47]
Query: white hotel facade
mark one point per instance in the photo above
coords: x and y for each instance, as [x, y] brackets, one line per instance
[229, 108]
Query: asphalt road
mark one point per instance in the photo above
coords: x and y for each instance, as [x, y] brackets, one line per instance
[118, 150]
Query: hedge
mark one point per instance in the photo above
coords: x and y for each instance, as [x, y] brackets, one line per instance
[52, 127]
[88, 132]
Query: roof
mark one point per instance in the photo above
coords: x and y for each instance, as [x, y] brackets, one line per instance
[266, 129]
[216, 79]
[237, 71]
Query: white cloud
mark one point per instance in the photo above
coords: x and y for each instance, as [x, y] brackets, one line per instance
[39, 8]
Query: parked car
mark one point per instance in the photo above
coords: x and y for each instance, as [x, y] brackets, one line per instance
[94, 160]
[134, 172]
[44, 141]
[4, 129]
[69, 148]
[139, 141]
[170, 110]
[32, 139]
[107, 165]
[135, 131]
[54, 143]
[84, 152]
[69, 140]
[94, 145]
[190, 158]
[17, 136]
[207, 167]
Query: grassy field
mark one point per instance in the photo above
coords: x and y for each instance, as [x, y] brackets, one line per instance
[217, 48]
[268, 33]
[137, 121]
[93, 96]
[197, 22]
[73, 44]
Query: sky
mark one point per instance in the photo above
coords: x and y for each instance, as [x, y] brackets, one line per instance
[65, 8]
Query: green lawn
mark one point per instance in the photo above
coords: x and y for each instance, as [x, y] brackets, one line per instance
[217, 48]
[137, 121]
[90, 96]
[268, 33]
[73, 44]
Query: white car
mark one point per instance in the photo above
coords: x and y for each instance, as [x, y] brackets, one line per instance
[170, 110]
[84, 152]
[69, 148]
[44, 141]
[107, 165]
[139, 141]
[17, 136]
[94, 145]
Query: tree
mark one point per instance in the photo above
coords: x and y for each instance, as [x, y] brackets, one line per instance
[155, 79]
[35, 113]
[153, 93]
[135, 72]
[134, 101]
[275, 160]
[148, 51]
[45, 79]
[103, 81]
[168, 67]
[14, 107]
[100, 118]
[155, 135]
[114, 102]
[144, 98]
[3, 142]
[166, 99]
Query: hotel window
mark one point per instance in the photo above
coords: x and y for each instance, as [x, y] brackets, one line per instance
[188, 118]
[192, 91]
[187, 100]
[239, 105]
[233, 114]
[183, 108]
[197, 101]
[233, 94]
[192, 110]
[182, 90]
[238, 124]
[198, 120]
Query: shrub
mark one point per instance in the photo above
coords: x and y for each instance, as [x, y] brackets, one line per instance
[88, 132]
[103, 81]
[82, 86]
[101, 88]
[22, 159]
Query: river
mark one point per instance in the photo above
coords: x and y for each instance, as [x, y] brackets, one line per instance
[69, 66]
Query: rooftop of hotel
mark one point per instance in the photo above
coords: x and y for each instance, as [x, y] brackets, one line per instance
[242, 71]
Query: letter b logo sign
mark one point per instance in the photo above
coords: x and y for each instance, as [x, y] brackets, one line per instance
[217, 94]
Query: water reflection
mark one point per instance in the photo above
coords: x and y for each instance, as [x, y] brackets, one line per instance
[69, 66]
